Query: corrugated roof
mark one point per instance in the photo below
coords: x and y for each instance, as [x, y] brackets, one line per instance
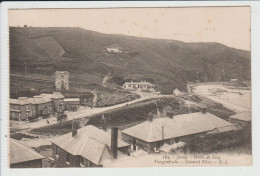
[90, 143]
[180, 125]
[21, 153]
[244, 116]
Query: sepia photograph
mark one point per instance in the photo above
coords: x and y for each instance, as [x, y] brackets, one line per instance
[130, 87]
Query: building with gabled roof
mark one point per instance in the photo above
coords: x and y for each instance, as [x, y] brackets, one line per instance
[20, 109]
[58, 101]
[22, 156]
[87, 147]
[71, 103]
[176, 92]
[242, 119]
[25, 108]
[139, 86]
[151, 135]
[20, 101]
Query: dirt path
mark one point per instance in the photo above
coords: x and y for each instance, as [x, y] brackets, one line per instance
[105, 79]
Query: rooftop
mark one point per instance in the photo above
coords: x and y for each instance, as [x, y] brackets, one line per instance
[176, 90]
[21, 153]
[179, 125]
[90, 142]
[55, 95]
[20, 101]
[39, 100]
[117, 46]
[62, 72]
[43, 98]
[71, 99]
[244, 116]
[141, 82]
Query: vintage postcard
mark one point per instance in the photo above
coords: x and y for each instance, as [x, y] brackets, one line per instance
[130, 87]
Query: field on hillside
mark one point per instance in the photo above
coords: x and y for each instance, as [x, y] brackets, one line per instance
[168, 64]
[109, 97]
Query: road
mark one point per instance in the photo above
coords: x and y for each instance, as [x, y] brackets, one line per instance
[82, 112]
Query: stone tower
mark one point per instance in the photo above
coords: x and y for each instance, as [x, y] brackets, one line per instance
[62, 80]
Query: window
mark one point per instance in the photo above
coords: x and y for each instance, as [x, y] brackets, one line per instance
[19, 116]
[12, 114]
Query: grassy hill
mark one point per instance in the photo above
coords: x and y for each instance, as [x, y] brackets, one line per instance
[166, 63]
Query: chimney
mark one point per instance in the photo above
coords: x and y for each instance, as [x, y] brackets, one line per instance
[103, 119]
[114, 139]
[203, 110]
[162, 132]
[74, 128]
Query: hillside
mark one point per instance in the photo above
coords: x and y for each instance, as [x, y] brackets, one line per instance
[166, 63]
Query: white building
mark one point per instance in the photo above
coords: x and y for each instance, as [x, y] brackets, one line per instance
[114, 50]
[139, 86]
[176, 92]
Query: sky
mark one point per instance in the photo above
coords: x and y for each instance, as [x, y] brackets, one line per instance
[227, 25]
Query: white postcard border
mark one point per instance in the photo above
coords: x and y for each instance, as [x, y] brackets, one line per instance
[255, 57]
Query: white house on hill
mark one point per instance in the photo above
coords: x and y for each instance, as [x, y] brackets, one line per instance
[176, 92]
